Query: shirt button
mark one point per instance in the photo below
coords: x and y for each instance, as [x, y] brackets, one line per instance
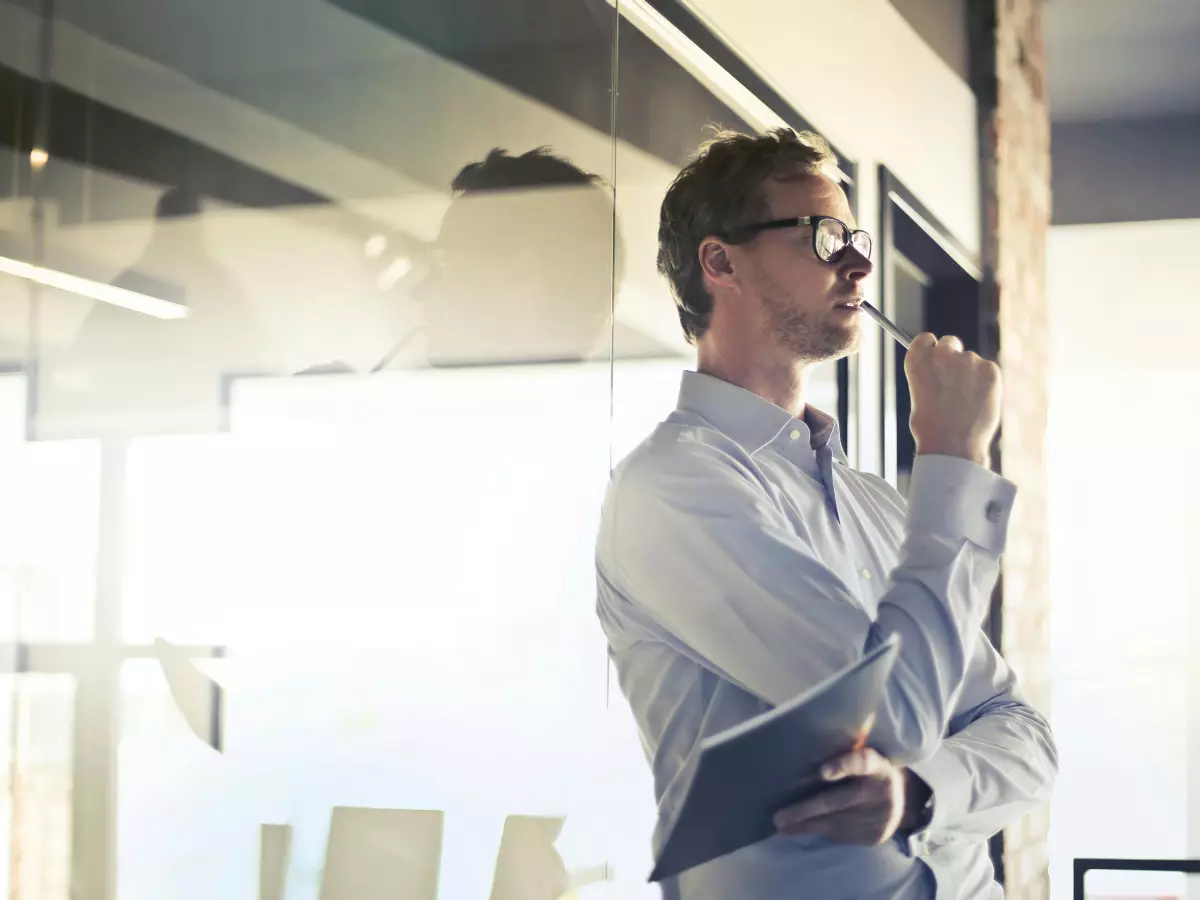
[866, 575]
[795, 435]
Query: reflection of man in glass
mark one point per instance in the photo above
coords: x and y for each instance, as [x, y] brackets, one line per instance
[523, 273]
[525, 259]
[486, 614]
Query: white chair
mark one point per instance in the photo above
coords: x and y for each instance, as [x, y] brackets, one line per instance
[382, 854]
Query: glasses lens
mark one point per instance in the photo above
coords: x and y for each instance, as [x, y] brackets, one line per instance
[831, 239]
[862, 243]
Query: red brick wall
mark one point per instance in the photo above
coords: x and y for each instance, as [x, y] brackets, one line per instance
[1016, 175]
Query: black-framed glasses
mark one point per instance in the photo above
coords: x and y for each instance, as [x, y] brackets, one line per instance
[830, 236]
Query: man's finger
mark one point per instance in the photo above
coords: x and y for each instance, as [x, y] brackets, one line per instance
[833, 799]
[951, 342]
[855, 764]
[923, 342]
[841, 766]
[859, 826]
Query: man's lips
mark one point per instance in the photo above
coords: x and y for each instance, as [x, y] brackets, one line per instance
[854, 303]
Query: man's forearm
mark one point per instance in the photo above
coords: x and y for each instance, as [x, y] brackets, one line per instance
[997, 768]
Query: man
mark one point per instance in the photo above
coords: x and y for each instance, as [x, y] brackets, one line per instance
[741, 561]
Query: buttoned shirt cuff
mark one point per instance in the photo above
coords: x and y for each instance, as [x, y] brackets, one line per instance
[956, 497]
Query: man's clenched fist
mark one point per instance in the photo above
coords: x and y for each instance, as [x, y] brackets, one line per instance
[955, 398]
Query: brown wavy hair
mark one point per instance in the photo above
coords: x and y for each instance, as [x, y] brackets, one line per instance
[720, 189]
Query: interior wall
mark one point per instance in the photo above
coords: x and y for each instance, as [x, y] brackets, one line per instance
[1112, 59]
[943, 25]
[1126, 170]
[1124, 429]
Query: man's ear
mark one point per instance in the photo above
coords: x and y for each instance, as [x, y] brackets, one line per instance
[716, 262]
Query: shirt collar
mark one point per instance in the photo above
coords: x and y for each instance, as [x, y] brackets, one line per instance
[753, 422]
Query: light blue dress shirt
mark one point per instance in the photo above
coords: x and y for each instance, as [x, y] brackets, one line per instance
[740, 561]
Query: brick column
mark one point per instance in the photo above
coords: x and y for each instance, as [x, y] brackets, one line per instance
[1007, 64]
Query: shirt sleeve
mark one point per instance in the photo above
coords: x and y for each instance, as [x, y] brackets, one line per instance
[699, 547]
[998, 762]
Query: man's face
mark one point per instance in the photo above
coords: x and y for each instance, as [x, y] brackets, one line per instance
[808, 306]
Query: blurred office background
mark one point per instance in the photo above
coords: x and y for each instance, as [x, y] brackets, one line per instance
[323, 322]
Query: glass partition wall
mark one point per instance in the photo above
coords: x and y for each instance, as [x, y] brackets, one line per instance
[321, 326]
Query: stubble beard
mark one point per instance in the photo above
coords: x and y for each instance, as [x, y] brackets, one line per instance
[808, 336]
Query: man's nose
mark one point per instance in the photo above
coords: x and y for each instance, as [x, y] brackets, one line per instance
[855, 267]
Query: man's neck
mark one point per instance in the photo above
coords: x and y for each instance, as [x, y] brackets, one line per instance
[780, 382]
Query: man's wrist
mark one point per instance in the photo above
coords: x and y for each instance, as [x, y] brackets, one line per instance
[916, 800]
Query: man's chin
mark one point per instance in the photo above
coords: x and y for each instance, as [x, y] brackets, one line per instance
[828, 341]
[845, 341]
